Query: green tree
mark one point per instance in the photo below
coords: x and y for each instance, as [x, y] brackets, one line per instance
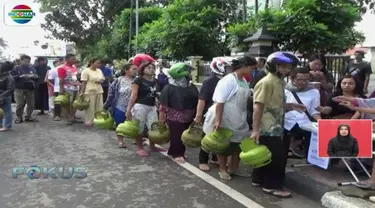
[114, 45]
[312, 25]
[3, 45]
[190, 27]
[366, 5]
[81, 21]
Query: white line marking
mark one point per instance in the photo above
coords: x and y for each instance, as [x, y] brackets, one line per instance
[237, 196]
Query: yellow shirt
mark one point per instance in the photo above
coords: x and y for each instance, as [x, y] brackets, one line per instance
[270, 92]
[93, 79]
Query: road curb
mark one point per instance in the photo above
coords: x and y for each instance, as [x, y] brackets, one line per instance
[336, 199]
[306, 186]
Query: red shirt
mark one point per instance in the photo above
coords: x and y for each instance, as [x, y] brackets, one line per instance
[69, 74]
[247, 77]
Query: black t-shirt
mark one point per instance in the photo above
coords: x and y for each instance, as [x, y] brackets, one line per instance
[146, 92]
[207, 91]
[359, 70]
[338, 109]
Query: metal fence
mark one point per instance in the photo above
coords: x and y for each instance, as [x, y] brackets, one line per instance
[335, 64]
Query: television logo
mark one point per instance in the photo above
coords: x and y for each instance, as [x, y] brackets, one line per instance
[16, 14]
[36, 172]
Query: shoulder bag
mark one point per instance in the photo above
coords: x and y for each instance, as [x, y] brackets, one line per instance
[306, 112]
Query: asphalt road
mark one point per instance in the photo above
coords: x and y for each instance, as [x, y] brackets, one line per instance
[116, 177]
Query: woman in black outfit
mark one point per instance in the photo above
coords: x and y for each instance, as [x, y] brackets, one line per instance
[218, 68]
[344, 144]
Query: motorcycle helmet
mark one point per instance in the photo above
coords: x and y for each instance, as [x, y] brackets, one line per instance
[293, 57]
[218, 65]
[141, 58]
[179, 70]
[279, 58]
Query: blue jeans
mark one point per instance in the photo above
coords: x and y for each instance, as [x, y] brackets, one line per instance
[7, 108]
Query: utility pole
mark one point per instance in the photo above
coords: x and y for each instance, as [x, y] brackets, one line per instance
[244, 12]
[130, 29]
[136, 24]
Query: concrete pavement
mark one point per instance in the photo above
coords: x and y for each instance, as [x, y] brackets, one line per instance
[116, 177]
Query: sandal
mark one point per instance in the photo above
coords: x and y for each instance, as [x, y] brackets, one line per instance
[4, 129]
[365, 185]
[69, 122]
[121, 145]
[213, 162]
[204, 167]
[157, 149]
[31, 119]
[225, 176]
[240, 173]
[278, 193]
[142, 153]
[18, 121]
[179, 160]
[88, 124]
[256, 184]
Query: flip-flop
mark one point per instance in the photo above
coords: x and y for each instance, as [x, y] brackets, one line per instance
[121, 145]
[18, 121]
[204, 167]
[225, 176]
[158, 149]
[256, 184]
[277, 193]
[4, 129]
[240, 173]
[142, 153]
[31, 120]
[365, 185]
[179, 160]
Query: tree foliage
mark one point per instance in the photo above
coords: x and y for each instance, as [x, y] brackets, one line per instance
[114, 45]
[181, 28]
[190, 27]
[82, 22]
[366, 5]
[310, 25]
[3, 45]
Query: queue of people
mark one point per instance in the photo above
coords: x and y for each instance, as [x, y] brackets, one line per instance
[278, 109]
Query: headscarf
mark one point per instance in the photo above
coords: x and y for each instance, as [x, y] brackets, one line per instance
[180, 82]
[344, 140]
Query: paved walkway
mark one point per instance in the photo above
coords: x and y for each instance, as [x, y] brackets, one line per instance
[116, 177]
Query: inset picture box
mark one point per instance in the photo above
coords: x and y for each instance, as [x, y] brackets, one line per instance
[345, 138]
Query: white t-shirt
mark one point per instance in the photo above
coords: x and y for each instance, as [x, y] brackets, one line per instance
[226, 88]
[53, 76]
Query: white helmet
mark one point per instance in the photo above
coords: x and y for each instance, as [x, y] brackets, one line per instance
[219, 64]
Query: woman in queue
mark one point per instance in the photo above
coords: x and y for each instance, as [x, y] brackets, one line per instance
[92, 78]
[7, 86]
[320, 74]
[142, 103]
[219, 67]
[118, 98]
[348, 87]
[178, 102]
[229, 111]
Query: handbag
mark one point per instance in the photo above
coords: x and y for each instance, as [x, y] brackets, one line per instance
[300, 102]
